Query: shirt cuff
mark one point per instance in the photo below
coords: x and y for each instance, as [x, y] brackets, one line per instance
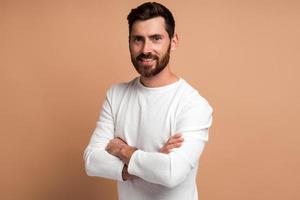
[119, 172]
[132, 163]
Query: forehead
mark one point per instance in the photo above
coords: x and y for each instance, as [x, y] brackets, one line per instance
[151, 26]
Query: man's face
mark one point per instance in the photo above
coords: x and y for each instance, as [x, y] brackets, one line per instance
[149, 46]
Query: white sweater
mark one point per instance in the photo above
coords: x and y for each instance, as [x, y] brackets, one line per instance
[146, 118]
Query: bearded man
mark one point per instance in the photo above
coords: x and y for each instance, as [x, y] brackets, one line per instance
[151, 130]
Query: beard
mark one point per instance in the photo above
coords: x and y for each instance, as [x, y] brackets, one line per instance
[148, 70]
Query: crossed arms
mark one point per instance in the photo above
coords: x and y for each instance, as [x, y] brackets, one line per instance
[110, 157]
[122, 150]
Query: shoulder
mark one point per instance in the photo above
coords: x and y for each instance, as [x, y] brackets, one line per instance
[195, 112]
[192, 98]
[118, 90]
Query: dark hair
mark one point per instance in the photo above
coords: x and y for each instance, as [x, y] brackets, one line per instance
[150, 10]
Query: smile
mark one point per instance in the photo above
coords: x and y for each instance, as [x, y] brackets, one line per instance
[146, 61]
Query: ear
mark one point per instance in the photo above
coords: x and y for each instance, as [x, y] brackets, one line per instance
[174, 42]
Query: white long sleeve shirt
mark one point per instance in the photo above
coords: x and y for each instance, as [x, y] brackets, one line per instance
[146, 118]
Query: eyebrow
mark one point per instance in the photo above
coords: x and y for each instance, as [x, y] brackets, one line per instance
[156, 35]
[136, 36]
[150, 36]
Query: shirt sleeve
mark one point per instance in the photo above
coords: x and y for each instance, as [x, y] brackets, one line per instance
[98, 162]
[171, 169]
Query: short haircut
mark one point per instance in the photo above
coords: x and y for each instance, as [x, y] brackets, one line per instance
[150, 10]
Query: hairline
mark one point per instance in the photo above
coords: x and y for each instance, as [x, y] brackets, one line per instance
[143, 20]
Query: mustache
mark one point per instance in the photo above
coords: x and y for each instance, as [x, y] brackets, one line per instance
[146, 56]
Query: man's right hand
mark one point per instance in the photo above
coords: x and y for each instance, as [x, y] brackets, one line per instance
[173, 142]
[126, 176]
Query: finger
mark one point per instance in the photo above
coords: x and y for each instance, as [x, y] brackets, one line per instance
[175, 140]
[168, 149]
[164, 150]
[121, 139]
[172, 146]
[116, 140]
[176, 135]
[176, 145]
[107, 146]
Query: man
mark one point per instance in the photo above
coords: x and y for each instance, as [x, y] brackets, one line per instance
[152, 130]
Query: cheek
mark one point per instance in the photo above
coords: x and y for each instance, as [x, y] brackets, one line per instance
[161, 50]
[134, 50]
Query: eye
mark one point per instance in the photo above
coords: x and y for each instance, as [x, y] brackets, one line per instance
[137, 39]
[156, 37]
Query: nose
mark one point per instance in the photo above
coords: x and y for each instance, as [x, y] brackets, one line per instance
[147, 47]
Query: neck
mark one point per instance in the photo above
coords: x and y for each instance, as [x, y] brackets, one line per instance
[165, 77]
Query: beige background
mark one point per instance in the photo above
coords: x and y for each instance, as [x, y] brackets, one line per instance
[57, 58]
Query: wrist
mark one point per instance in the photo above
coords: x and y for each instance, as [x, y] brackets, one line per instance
[124, 173]
[126, 153]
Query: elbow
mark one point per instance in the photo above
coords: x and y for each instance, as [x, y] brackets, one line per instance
[89, 169]
[171, 183]
[173, 180]
[88, 172]
[177, 175]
